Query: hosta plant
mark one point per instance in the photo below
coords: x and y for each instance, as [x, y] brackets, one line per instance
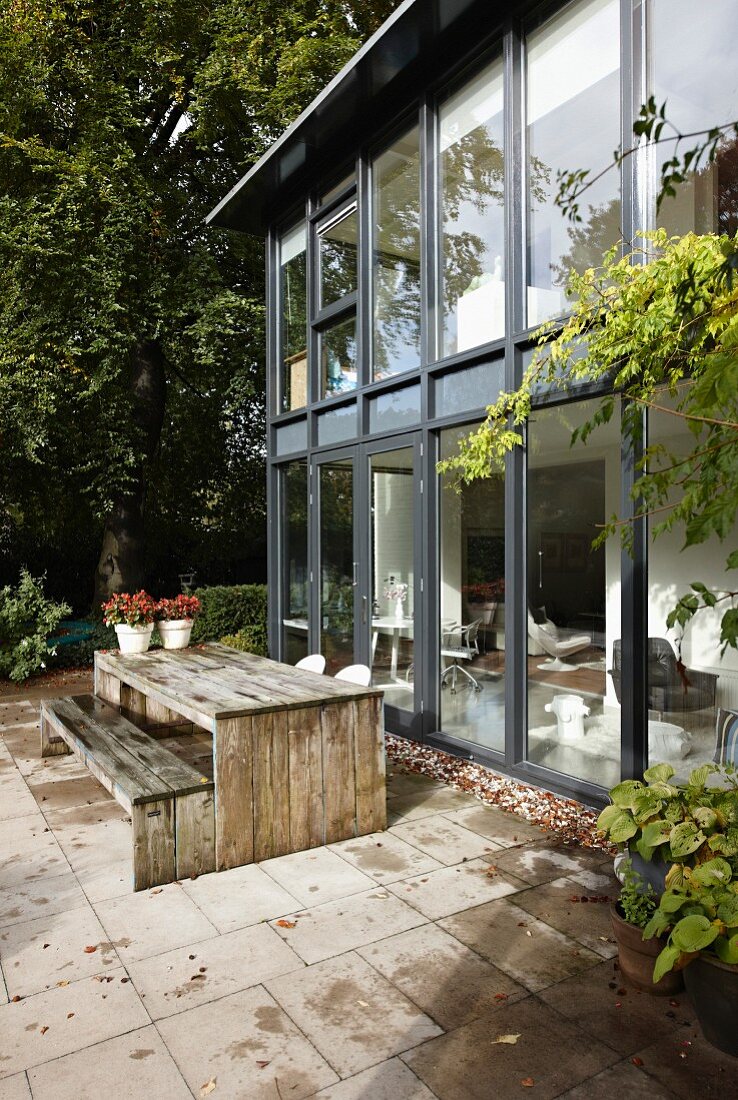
[683, 823]
[699, 910]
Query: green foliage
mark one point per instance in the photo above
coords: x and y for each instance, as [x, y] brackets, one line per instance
[679, 823]
[252, 639]
[637, 899]
[701, 914]
[121, 126]
[660, 326]
[27, 619]
[227, 610]
[81, 654]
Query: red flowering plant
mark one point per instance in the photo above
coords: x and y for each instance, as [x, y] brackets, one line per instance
[485, 591]
[129, 610]
[176, 609]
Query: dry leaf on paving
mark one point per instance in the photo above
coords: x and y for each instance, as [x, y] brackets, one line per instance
[90, 950]
[262, 1065]
[527, 1082]
[208, 1087]
[286, 923]
[507, 1038]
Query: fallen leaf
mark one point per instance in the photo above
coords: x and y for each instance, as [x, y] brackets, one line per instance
[637, 1061]
[529, 933]
[501, 996]
[208, 1087]
[65, 981]
[44, 1030]
[46, 945]
[157, 891]
[364, 1004]
[89, 950]
[286, 923]
[527, 1082]
[15, 999]
[509, 1039]
[261, 1065]
[124, 980]
[69, 1015]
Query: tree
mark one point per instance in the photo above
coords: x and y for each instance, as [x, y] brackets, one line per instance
[130, 336]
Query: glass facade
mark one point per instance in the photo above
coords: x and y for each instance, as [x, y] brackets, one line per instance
[471, 188]
[692, 70]
[396, 254]
[573, 122]
[573, 595]
[292, 389]
[495, 627]
[472, 606]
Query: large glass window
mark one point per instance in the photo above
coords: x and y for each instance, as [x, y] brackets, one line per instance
[293, 373]
[693, 69]
[573, 121]
[472, 212]
[337, 255]
[684, 702]
[338, 360]
[573, 591]
[472, 606]
[295, 561]
[396, 256]
[337, 565]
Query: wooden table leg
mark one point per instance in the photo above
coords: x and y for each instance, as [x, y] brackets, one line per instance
[234, 800]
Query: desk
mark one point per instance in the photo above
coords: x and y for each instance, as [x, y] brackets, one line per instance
[298, 759]
[394, 626]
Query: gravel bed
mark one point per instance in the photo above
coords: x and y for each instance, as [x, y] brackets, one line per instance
[570, 821]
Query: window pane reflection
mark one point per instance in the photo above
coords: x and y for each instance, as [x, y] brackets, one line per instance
[295, 578]
[573, 610]
[573, 121]
[472, 196]
[337, 248]
[472, 604]
[396, 281]
[693, 66]
[293, 306]
[337, 565]
[338, 357]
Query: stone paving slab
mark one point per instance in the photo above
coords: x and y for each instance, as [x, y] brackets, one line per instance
[129, 1067]
[245, 1043]
[351, 1014]
[374, 969]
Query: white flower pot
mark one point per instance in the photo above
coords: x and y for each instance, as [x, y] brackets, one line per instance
[133, 639]
[175, 633]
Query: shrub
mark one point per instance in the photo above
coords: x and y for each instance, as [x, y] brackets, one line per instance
[27, 619]
[252, 639]
[81, 654]
[229, 610]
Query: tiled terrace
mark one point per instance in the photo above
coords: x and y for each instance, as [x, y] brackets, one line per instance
[385, 968]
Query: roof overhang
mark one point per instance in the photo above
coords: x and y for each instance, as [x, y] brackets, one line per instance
[408, 52]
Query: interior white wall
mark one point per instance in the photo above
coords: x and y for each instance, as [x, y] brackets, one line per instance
[393, 536]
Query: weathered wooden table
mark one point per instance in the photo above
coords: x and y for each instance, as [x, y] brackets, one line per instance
[298, 759]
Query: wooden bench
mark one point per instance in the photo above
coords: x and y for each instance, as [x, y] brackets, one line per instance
[171, 804]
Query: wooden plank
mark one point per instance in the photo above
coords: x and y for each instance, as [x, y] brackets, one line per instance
[195, 833]
[307, 822]
[339, 779]
[159, 715]
[153, 844]
[133, 704]
[371, 793]
[271, 785]
[127, 780]
[234, 807]
[52, 743]
[107, 687]
[179, 776]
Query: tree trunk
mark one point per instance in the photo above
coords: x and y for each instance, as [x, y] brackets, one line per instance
[121, 564]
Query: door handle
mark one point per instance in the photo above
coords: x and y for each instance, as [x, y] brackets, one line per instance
[355, 581]
[364, 604]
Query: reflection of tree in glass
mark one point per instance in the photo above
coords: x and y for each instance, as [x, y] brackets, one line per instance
[397, 259]
[589, 239]
[473, 170]
[727, 168]
[296, 536]
[294, 305]
[339, 357]
[338, 261]
[337, 546]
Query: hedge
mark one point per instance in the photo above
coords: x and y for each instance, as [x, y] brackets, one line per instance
[230, 610]
[252, 639]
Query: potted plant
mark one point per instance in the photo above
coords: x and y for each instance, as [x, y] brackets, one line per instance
[174, 619]
[637, 957]
[699, 910]
[661, 823]
[133, 619]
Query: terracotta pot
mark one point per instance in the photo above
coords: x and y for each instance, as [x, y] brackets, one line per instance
[133, 639]
[638, 957]
[174, 633]
[713, 987]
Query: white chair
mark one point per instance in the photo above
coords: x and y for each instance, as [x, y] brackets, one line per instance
[558, 643]
[356, 674]
[460, 644]
[314, 662]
